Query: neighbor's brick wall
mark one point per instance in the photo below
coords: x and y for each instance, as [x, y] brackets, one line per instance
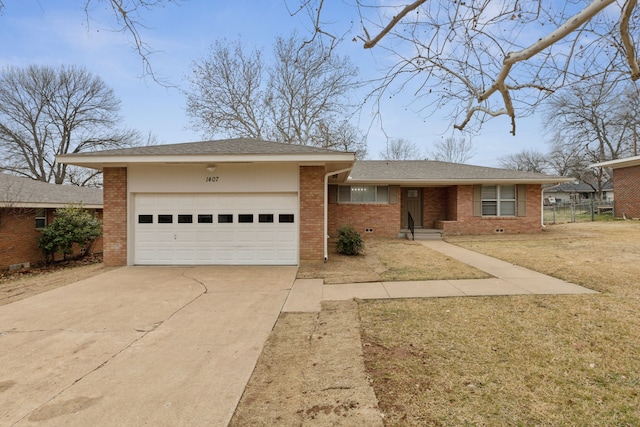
[312, 212]
[466, 223]
[115, 216]
[19, 237]
[626, 184]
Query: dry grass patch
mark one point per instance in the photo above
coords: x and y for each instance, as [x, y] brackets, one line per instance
[388, 260]
[526, 360]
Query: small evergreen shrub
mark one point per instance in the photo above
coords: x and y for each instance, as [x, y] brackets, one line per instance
[72, 225]
[349, 241]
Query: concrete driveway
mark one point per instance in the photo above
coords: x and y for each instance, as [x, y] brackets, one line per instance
[157, 346]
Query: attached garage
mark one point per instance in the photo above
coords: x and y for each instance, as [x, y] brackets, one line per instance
[235, 202]
[229, 229]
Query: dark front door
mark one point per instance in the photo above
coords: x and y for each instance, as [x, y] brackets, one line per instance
[411, 204]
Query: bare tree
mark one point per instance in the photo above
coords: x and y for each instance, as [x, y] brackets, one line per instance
[301, 97]
[47, 111]
[452, 150]
[593, 121]
[526, 160]
[491, 58]
[481, 58]
[400, 149]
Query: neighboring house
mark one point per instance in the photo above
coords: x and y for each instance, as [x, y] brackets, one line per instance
[245, 201]
[576, 192]
[626, 180]
[26, 206]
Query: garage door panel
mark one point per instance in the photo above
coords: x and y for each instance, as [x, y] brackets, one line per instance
[208, 239]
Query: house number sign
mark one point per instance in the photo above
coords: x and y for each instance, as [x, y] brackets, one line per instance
[212, 179]
[412, 193]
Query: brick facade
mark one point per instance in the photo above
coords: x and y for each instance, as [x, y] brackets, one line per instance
[382, 219]
[312, 212]
[115, 216]
[19, 237]
[465, 222]
[447, 208]
[626, 184]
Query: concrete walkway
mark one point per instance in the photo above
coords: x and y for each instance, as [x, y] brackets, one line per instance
[307, 294]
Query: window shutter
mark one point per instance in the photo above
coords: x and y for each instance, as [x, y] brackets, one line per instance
[522, 200]
[333, 194]
[477, 200]
[393, 194]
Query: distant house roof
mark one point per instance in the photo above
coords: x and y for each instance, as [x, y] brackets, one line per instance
[25, 192]
[581, 187]
[619, 163]
[441, 173]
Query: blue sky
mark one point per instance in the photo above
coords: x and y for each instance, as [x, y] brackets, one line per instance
[53, 33]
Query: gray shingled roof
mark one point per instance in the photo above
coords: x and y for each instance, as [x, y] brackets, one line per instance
[20, 191]
[581, 187]
[428, 170]
[240, 146]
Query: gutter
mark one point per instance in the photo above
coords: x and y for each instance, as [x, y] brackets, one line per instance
[326, 208]
[542, 203]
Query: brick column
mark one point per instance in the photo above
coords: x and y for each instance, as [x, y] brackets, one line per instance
[312, 212]
[115, 216]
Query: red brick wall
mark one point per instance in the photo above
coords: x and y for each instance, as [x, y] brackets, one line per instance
[19, 237]
[312, 212]
[466, 223]
[115, 216]
[384, 219]
[435, 203]
[626, 185]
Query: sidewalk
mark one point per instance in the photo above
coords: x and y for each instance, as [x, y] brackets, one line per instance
[307, 294]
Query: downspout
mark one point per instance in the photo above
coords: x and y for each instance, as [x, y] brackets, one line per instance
[542, 203]
[326, 208]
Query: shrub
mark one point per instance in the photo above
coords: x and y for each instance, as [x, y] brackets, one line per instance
[349, 241]
[72, 225]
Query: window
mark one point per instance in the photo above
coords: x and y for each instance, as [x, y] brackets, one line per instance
[363, 194]
[285, 218]
[498, 200]
[225, 218]
[41, 218]
[205, 219]
[245, 218]
[185, 219]
[145, 219]
[265, 218]
[165, 219]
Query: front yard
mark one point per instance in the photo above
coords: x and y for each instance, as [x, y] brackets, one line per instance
[526, 360]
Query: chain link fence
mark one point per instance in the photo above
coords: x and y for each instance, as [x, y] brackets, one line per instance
[583, 211]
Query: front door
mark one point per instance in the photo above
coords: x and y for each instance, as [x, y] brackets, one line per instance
[411, 204]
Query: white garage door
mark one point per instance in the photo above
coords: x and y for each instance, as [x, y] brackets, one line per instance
[201, 229]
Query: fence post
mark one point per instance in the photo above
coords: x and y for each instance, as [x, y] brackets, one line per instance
[593, 208]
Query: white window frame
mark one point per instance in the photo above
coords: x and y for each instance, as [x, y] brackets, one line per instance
[378, 199]
[499, 200]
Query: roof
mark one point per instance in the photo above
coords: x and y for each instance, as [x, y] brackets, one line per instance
[581, 187]
[239, 146]
[226, 150]
[25, 192]
[619, 163]
[441, 173]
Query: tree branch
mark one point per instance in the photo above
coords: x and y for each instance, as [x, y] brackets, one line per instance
[629, 48]
[369, 43]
